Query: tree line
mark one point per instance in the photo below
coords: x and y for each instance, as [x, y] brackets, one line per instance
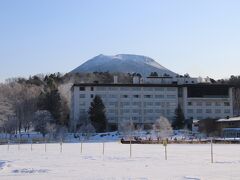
[42, 102]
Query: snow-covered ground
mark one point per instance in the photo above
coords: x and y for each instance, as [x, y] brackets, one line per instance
[185, 162]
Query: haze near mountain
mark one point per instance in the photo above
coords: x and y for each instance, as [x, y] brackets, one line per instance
[125, 63]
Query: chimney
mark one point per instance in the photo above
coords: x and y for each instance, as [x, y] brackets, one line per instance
[115, 79]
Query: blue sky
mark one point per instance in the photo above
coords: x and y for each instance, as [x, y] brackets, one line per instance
[201, 37]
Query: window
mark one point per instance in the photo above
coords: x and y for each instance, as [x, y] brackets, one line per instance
[82, 88]
[159, 96]
[125, 110]
[148, 89]
[135, 118]
[190, 110]
[113, 88]
[112, 95]
[217, 111]
[82, 95]
[136, 103]
[171, 96]
[208, 111]
[136, 96]
[159, 89]
[124, 88]
[170, 111]
[189, 103]
[199, 103]
[199, 111]
[148, 103]
[112, 103]
[136, 89]
[148, 110]
[147, 96]
[100, 88]
[227, 111]
[136, 110]
[161, 111]
[171, 89]
[208, 103]
[92, 95]
[125, 103]
[81, 103]
[92, 89]
[81, 111]
[226, 104]
[217, 104]
[124, 96]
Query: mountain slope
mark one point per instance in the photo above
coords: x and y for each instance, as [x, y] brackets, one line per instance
[125, 63]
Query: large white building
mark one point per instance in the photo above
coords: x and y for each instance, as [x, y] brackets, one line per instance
[146, 100]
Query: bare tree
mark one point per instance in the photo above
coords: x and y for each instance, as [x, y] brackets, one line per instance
[23, 99]
[9, 126]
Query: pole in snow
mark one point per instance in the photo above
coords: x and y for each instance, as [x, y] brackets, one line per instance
[8, 145]
[61, 145]
[165, 146]
[19, 144]
[103, 151]
[81, 141]
[211, 150]
[45, 145]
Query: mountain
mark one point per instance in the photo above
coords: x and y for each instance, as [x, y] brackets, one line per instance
[125, 63]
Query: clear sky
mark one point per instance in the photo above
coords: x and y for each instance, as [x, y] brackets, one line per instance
[201, 37]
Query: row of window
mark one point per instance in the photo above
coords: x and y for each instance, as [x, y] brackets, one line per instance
[135, 111]
[208, 111]
[145, 104]
[133, 118]
[131, 96]
[139, 111]
[83, 88]
[209, 103]
[162, 104]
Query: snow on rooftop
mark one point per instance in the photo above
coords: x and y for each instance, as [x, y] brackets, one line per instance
[229, 119]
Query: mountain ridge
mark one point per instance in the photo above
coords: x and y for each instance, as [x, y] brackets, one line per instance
[125, 63]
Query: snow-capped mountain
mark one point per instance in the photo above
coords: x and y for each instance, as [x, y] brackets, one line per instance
[125, 63]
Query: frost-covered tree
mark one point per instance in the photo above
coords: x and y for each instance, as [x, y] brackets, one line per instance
[21, 99]
[162, 127]
[41, 121]
[127, 128]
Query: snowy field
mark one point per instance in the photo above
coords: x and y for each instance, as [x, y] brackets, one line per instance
[185, 162]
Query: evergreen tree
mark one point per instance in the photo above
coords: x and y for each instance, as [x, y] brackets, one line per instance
[179, 119]
[51, 101]
[154, 74]
[97, 114]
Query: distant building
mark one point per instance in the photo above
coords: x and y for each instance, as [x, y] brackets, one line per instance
[229, 127]
[145, 100]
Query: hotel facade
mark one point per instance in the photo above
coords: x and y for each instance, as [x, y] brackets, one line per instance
[144, 101]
